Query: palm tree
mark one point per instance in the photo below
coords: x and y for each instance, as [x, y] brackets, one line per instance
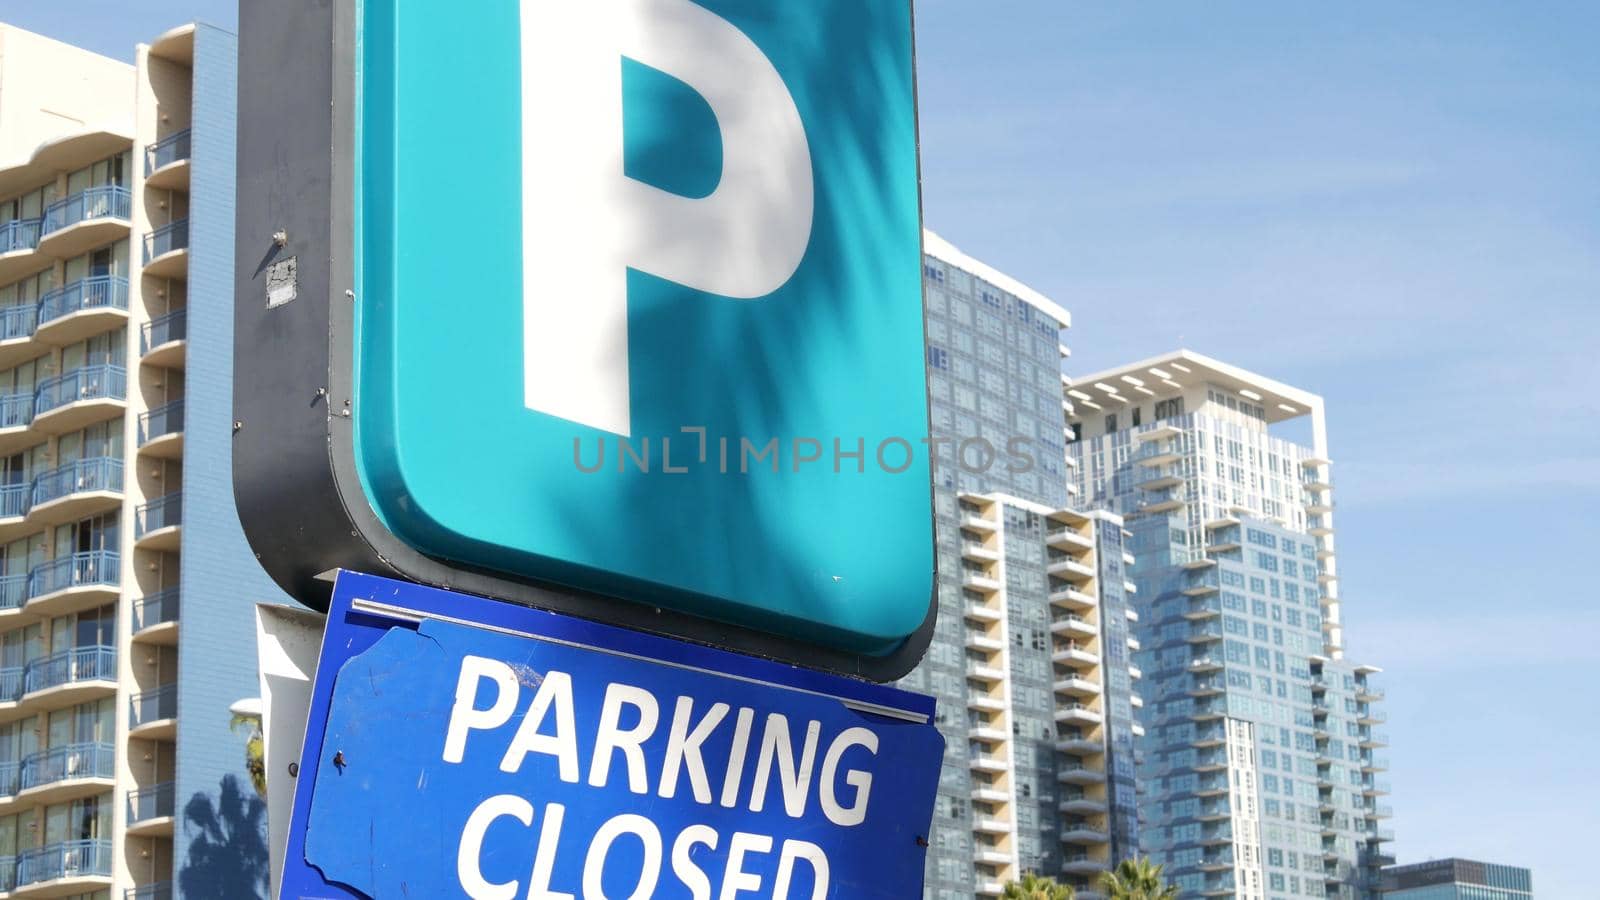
[254, 750]
[1037, 887]
[1137, 879]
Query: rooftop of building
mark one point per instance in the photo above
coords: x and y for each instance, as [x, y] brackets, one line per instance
[1181, 370]
[946, 252]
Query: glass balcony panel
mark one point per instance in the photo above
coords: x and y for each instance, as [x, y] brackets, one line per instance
[167, 238]
[163, 330]
[170, 149]
[160, 422]
[163, 512]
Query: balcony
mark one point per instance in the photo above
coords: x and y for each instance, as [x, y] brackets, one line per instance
[1070, 569]
[1079, 803]
[161, 890]
[163, 340]
[151, 810]
[1205, 664]
[990, 825]
[18, 239]
[1074, 626]
[1073, 597]
[166, 162]
[166, 250]
[1075, 685]
[1084, 833]
[1074, 654]
[155, 617]
[1215, 761]
[16, 333]
[977, 580]
[1069, 539]
[1165, 500]
[1204, 634]
[1078, 773]
[71, 677]
[1200, 583]
[158, 525]
[13, 593]
[1079, 745]
[161, 431]
[153, 715]
[76, 490]
[985, 702]
[82, 309]
[63, 774]
[982, 612]
[1077, 714]
[985, 762]
[85, 220]
[16, 418]
[1210, 737]
[986, 673]
[80, 581]
[1208, 710]
[14, 502]
[81, 397]
[973, 521]
[1082, 864]
[976, 550]
[65, 868]
[11, 681]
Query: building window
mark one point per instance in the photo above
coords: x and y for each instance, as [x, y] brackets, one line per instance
[1111, 423]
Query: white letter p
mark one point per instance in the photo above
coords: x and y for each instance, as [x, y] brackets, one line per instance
[584, 223]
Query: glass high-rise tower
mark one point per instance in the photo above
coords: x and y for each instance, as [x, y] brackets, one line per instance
[1031, 658]
[1260, 771]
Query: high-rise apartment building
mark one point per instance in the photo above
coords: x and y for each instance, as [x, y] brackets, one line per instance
[1457, 879]
[126, 585]
[1260, 774]
[1030, 661]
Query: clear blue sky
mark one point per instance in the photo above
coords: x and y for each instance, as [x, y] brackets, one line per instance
[1394, 205]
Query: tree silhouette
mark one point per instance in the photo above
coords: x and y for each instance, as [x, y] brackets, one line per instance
[227, 847]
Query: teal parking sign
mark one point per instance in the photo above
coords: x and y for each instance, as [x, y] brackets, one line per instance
[639, 306]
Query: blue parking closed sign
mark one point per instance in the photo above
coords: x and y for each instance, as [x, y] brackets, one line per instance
[461, 747]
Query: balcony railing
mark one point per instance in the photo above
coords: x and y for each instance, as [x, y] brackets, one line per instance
[165, 152]
[153, 706]
[16, 410]
[98, 473]
[155, 609]
[71, 667]
[161, 890]
[156, 802]
[11, 680]
[160, 422]
[167, 238]
[10, 770]
[20, 234]
[101, 382]
[83, 569]
[89, 760]
[13, 591]
[98, 292]
[8, 873]
[163, 512]
[163, 330]
[69, 859]
[108, 201]
[14, 500]
[17, 321]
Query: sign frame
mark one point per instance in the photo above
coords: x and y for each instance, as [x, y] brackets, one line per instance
[364, 608]
[296, 481]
